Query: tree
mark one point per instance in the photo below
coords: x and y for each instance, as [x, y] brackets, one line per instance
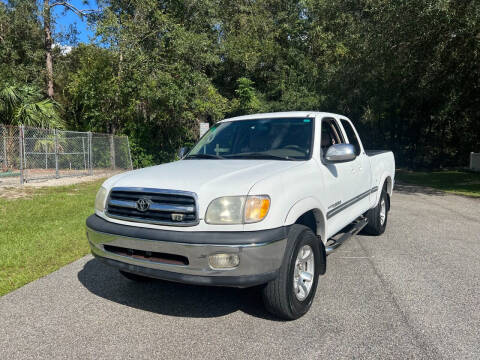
[48, 5]
[21, 44]
[246, 101]
[406, 72]
[143, 80]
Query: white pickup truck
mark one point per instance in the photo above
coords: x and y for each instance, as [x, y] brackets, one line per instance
[260, 200]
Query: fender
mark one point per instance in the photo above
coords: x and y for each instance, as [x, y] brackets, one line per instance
[304, 205]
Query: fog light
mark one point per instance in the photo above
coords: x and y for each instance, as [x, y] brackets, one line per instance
[223, 261]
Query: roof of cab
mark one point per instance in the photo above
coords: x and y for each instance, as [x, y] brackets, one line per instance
[285, 114]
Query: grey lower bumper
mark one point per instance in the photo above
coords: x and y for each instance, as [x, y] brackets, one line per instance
[259, 261]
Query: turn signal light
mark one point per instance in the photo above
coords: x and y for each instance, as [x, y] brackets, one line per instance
[256, 208]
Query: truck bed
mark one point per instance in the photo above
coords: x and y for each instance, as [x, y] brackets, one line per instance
[375, 152]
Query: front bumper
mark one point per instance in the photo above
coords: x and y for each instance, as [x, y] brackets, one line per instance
[260, 252]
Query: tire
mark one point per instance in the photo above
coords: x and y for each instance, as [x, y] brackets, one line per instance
[378, 216]
[281, 297]
[135, 277]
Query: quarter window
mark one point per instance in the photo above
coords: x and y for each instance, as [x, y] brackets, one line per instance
[352, 136]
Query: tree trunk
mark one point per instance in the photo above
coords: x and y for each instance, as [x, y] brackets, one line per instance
[48, 47]
[117, 94]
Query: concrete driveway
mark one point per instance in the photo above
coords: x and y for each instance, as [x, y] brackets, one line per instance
[412, 293]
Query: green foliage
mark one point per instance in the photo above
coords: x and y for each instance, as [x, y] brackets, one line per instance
[45, 145]
[406, 72]
[89, 88]
[24, 105]
[21, 44]
[9, 100]
[246, 101]
[140, 157]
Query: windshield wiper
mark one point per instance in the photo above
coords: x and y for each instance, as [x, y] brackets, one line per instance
[255, 155]
[204, 156]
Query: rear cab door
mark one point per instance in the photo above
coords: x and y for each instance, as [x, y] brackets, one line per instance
[360, 171]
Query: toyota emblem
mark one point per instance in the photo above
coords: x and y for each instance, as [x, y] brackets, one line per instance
[143, 204]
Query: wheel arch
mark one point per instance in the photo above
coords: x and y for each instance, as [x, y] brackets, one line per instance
[387, 181]
[308, 212]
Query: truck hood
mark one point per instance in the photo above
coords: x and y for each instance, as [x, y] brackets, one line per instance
[208, 178]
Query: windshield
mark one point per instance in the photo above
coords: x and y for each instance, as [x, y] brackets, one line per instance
[278, 139]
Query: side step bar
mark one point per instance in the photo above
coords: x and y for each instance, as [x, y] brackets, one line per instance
[357, 226]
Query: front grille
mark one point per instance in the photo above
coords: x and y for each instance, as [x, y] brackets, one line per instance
[165, 207]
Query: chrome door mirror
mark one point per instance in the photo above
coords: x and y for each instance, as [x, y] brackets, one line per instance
[340, 153]
[182, 152]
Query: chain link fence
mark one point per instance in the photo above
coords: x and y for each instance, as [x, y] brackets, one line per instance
[28, 153]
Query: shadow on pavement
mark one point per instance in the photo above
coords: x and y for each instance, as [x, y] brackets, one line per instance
[416, 189]
[169, 298]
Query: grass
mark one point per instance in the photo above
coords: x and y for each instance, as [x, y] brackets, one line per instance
[43, 231]
[453, 181]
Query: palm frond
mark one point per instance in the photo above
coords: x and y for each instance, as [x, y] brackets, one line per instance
[9, 99]
[43, 113]
[24, 105]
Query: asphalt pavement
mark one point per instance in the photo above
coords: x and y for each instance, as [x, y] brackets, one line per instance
[412, 293]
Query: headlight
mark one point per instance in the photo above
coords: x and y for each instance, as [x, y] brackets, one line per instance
[100, 199]
[225, 210]
[237, 209]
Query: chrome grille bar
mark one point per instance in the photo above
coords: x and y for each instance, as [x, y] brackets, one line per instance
[165, 207]
[154, 206]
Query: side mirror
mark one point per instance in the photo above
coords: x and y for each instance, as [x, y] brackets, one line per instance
[182, 152]
[340, 153]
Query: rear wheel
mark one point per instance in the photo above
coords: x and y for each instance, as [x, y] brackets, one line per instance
[135, 277]
[378, 216]
[291, 294]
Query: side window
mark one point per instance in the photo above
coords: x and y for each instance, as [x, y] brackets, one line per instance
[352, 137]
[331, 134]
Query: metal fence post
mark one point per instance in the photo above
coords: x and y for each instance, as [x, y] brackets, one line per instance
[83, 150]
[56, 153]
[129, 154]
[25, 165]
[90, 153]
[20, 150]
[112, 151]
[4, 136]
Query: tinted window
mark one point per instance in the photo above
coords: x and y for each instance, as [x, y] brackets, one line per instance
[352, 137]
[285, 139]
[331, 134]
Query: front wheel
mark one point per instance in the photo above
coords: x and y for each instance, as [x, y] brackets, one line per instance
[291, 294]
